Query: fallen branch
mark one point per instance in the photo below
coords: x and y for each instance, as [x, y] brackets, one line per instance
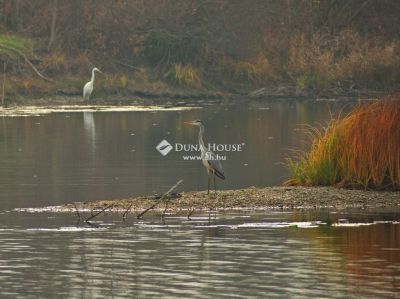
[77, 212]
[190, 214]
[28, 62]
[166, 207]
[98, 213]
[34, 68]
[160, 200]
[127, 210]
[172, 195]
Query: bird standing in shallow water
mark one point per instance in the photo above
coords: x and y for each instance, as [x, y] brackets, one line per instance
[209, 159]
[88, 88]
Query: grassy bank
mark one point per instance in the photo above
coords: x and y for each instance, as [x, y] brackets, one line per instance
[358, 150]
[346, 64]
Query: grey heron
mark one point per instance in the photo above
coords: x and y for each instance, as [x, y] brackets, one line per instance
[88, 88]
[209, 159]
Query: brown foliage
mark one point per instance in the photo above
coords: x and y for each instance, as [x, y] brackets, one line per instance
[314, 44]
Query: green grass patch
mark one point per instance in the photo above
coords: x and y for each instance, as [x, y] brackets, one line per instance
[10, 46]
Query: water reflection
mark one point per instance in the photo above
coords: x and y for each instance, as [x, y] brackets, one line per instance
[64, 157]
[90, 129]
[200, 259]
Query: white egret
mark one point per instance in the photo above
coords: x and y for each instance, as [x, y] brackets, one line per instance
[209, 159]
[88, 88]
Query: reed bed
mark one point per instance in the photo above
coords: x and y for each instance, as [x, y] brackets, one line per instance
[361, 149]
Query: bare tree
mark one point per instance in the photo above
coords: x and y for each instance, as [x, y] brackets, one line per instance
[53, 24]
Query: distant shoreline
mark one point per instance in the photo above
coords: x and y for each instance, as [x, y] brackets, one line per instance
[285, 198]
[139, 97]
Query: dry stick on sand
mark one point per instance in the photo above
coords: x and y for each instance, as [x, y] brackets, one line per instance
[160, 200]
[166, 207]
[190, 214]
[127, 210]
[98, 213]
[77, 212]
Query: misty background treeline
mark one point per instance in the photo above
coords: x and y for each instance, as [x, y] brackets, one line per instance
[199, 44]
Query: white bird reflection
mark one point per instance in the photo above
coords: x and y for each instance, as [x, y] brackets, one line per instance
[90, 130]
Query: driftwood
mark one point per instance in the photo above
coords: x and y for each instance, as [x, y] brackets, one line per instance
[77, 212]
[98, 213]
[127, 210]
[190, 214]
[166, 207]
[160, 200]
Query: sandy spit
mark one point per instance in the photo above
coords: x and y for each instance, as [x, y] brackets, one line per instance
[243, 199]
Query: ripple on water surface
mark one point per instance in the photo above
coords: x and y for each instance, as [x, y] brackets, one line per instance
[224, 256]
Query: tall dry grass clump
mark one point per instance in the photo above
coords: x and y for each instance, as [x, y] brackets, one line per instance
[185, 75]
[359, 150]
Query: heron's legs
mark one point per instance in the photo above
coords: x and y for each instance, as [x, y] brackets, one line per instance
[215, 186]
[208, 189]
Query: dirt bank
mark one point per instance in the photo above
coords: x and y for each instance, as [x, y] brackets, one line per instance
[175, 95]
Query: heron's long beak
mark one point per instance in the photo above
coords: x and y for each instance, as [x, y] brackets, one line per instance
[189, 123]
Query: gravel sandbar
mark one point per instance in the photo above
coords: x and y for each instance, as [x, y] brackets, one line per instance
[250, 198]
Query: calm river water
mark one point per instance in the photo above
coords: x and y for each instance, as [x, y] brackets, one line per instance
[56, 158]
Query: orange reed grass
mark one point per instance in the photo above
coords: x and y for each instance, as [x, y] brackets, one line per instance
[362, 149]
